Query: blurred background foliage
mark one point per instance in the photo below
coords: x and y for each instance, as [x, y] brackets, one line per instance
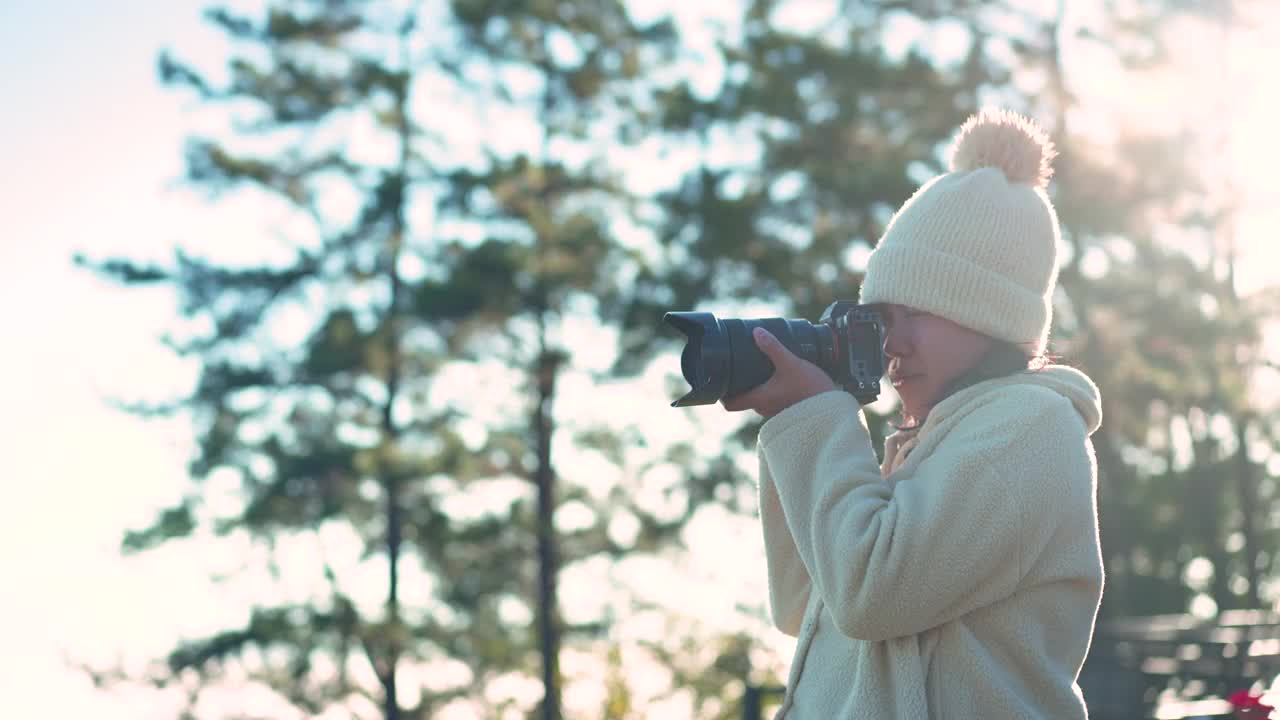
[446, 379]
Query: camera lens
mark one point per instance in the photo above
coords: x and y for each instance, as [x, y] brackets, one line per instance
[721, 360]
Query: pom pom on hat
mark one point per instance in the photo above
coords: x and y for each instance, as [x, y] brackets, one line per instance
[1008, 142]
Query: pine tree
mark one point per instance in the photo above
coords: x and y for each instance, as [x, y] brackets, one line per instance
[416, 254]
[1151, 312]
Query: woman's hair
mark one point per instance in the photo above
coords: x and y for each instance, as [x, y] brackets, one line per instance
[1003, 358]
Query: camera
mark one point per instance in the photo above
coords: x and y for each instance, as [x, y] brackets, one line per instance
[721, 360]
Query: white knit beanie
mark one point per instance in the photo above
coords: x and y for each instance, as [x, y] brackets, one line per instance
[979, 244]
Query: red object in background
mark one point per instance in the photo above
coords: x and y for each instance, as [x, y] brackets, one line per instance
[1248, 706]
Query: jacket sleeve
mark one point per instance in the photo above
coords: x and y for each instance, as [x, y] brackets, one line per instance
[953, 534]
[789, 584]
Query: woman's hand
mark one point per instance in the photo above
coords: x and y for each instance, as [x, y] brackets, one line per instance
[793, 380]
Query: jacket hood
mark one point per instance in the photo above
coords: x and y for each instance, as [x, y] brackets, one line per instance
[1073, 385]
[1061, 379]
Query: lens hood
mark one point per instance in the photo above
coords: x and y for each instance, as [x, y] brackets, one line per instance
[705, 361]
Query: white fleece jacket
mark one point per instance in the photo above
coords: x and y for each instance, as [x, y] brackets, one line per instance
[964, 581]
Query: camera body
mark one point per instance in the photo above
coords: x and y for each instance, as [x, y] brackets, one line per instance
[721, 360]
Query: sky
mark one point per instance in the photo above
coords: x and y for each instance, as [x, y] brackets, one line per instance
[90, 145]
[88, 141]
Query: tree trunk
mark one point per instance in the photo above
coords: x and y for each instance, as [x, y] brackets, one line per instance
[1112, 472]
[1247, 493]
[397, 189]
[548, 366]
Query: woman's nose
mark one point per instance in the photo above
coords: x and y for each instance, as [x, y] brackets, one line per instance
[895, 344]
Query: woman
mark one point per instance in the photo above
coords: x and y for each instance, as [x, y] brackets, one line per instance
[961, 576]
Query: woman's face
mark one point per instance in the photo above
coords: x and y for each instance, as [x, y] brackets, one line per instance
[926, 353]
